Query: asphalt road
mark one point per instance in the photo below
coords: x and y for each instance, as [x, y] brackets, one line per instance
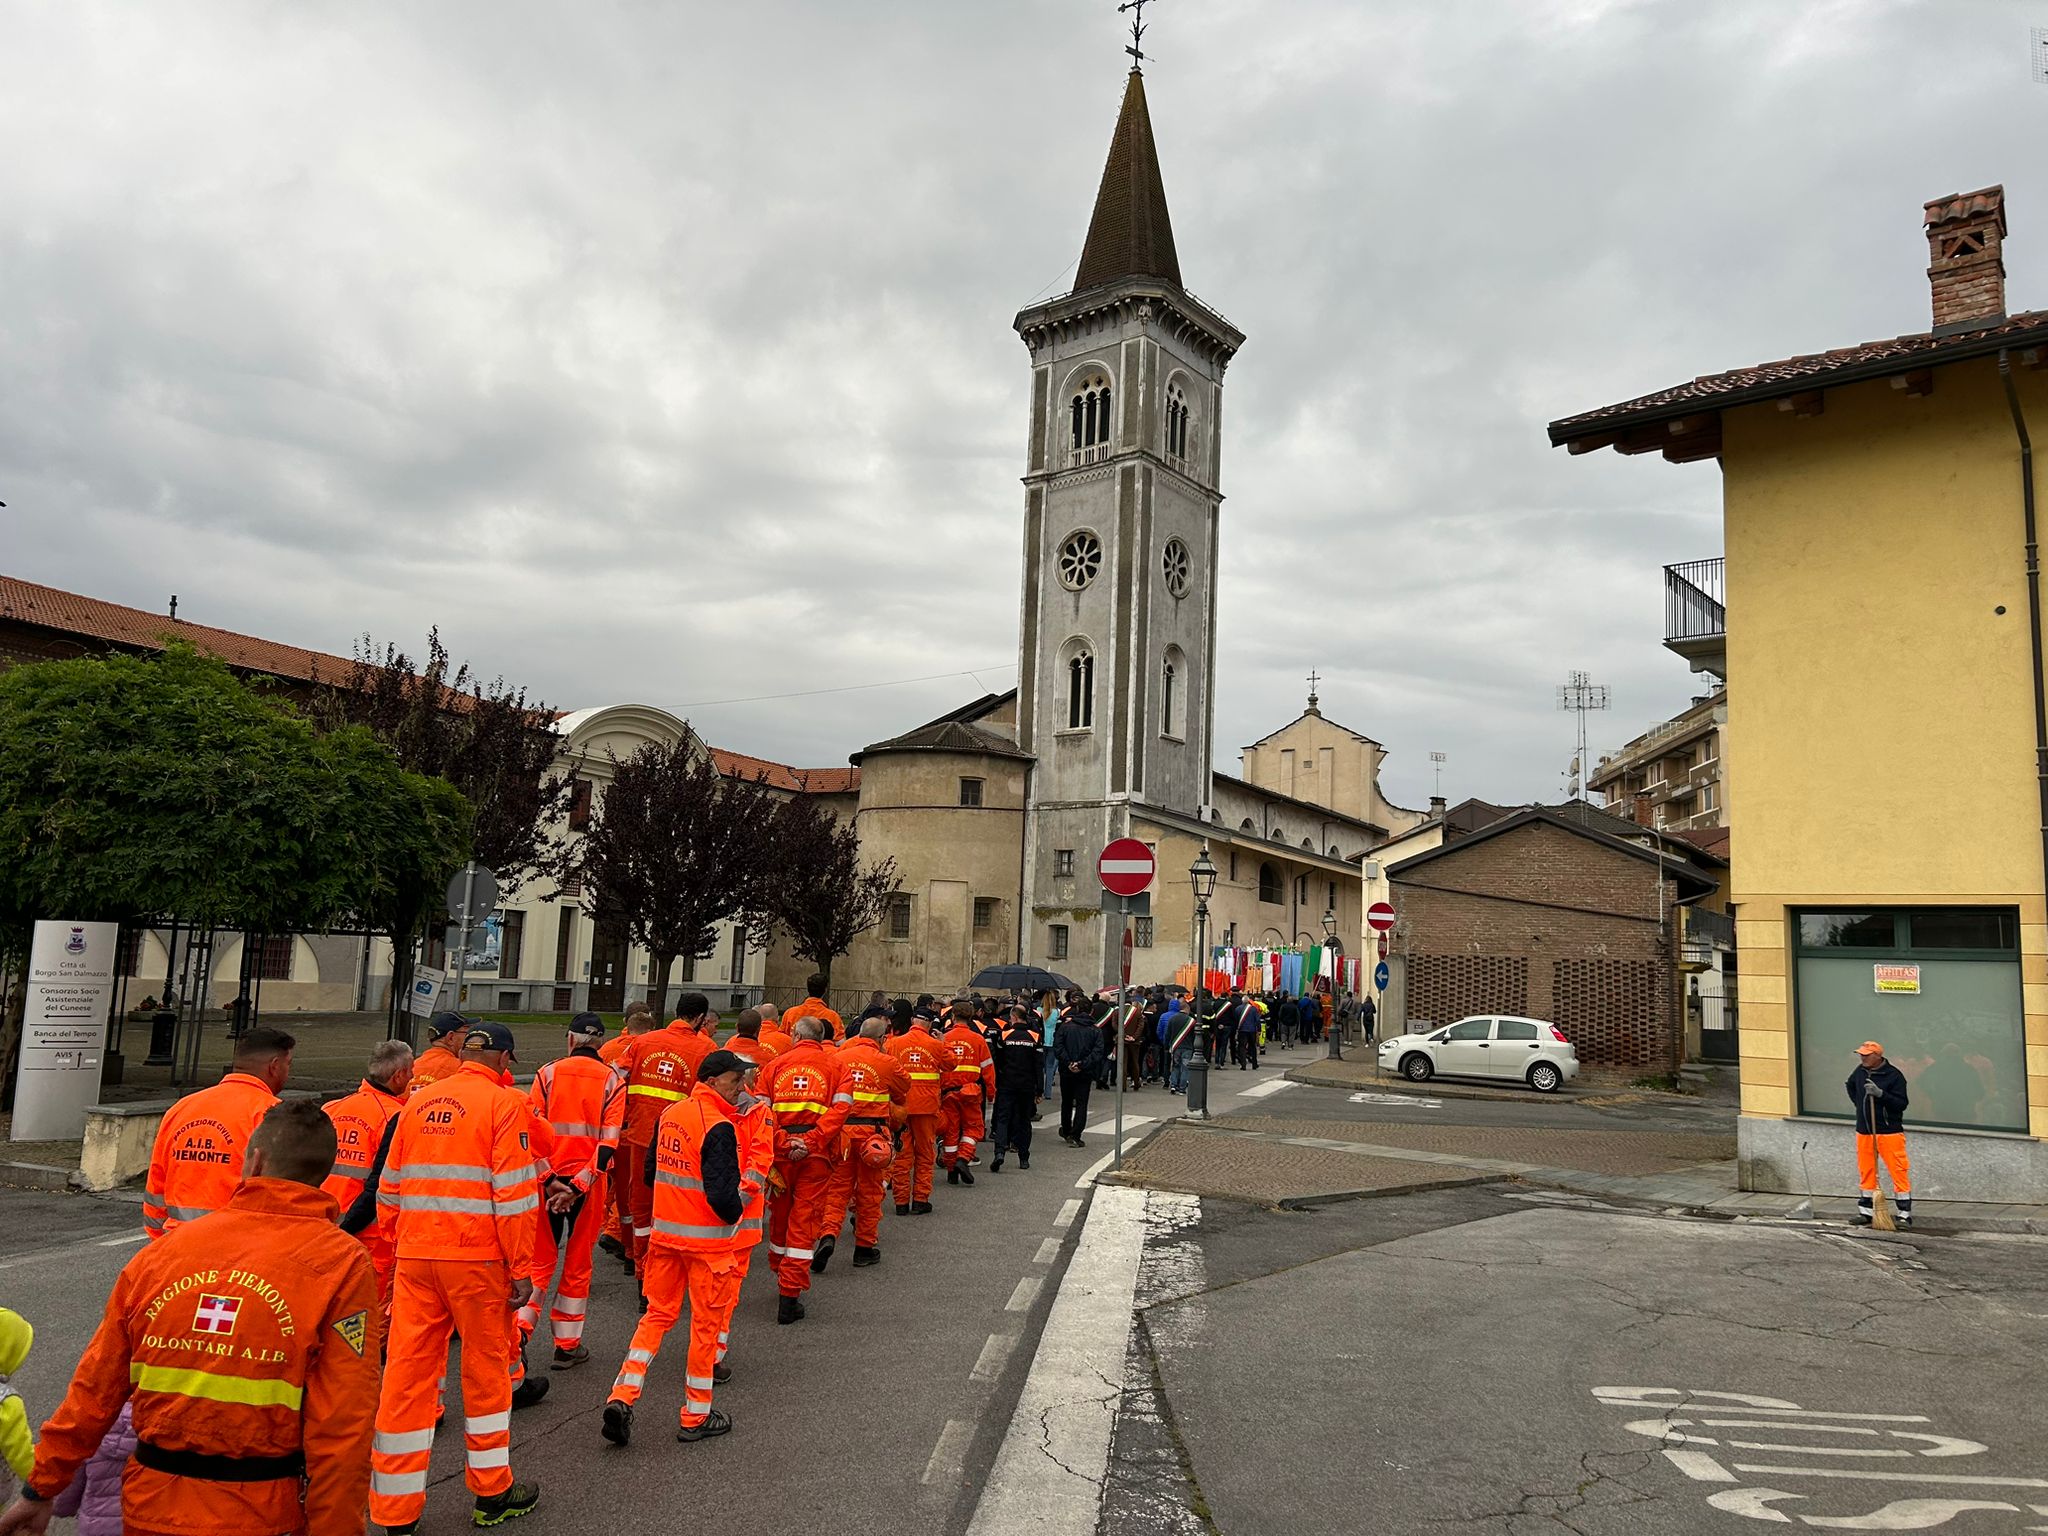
[1488, 1360]
[881, 1411]
[1620, 1112]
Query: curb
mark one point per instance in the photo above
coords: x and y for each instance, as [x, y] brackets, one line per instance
[37, 1176]
[1310, 1202]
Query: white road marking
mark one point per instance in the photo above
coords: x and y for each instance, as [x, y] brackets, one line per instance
[1863, 1473]
[1406, 1101]
[1047, 1251]
[950, 1454]
[1067, 1214]
[1699, 1466]
[1026, 1293]
[1047, 1477]
[1260, 1090]
[122, 1242]
[1103, 1127]
[989, 1364]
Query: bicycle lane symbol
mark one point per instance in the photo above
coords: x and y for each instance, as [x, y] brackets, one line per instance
[1704, 1433]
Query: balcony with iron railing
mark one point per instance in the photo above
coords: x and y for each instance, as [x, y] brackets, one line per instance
[1695, 615]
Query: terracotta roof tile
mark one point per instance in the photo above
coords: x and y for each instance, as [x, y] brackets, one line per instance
[802, 781]
[25, 602]
[1795, 375]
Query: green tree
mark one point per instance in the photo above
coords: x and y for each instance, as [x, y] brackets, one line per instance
[133, 788]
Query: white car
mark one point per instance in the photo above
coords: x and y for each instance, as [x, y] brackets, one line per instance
[1527, 1050]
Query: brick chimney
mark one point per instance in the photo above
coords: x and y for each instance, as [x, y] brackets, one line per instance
[1438, 805]
[1966, 259]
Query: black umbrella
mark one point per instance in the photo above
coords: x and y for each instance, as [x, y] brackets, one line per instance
[1020, 978]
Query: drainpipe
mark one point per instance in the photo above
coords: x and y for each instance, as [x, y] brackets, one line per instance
[2019, 426]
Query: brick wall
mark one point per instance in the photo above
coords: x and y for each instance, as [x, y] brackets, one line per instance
[1542, 922]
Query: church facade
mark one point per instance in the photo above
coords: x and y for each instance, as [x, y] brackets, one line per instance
[995, 814]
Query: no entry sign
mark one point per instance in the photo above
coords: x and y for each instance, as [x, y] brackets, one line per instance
[1379, 917]
[1126, 867]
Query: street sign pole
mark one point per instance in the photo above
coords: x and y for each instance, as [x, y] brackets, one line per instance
[1123, 1051]
[462, 930]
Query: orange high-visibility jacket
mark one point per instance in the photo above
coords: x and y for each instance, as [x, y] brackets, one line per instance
[970, 1068]
[875, 1081]
[584, 1103]
[197, 1160]
[660, 1069]
[610, 1052]
[435, 1064]
[776, 1040]
[359, 1122]
[814, 1008]
[757, 1147]
[460, 1181]
[924, 1064]
[251, 1334]
[704, 1160]
[805, 1099]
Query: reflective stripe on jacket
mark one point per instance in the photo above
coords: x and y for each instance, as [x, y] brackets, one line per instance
[873, 1080]
[460, 1181]
[255, 1333]
[804, 1098]
[197, 1160]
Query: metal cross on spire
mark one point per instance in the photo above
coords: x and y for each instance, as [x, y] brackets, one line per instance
[1137, 48]
[1313, 679]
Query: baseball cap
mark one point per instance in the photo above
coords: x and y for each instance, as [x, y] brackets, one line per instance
[445, 1022]
[1869, 1047]
[719, 1062]
[490, 1037]
[588, 1025]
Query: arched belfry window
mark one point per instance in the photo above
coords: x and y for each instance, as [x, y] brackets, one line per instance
[1173, 694]
[1176, 425]
[1080, 660]
[1090, 419]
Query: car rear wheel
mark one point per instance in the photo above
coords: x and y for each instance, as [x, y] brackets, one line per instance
[1417, 1068]
[1545, 1078]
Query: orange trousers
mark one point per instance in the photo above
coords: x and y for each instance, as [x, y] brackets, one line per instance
[793, 1218]
[572, 1296]
[1892, 1149]
[432, 1298]
[960, 1127]
[912, 1175]
[636, 1202]
[855, 1184]
[711, 1282]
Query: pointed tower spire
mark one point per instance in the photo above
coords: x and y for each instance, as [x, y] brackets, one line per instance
[1131, 234]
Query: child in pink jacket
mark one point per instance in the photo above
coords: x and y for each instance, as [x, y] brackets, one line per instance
[95, 1494]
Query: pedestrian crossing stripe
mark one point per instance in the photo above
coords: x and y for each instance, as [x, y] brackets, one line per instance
[354, 1330]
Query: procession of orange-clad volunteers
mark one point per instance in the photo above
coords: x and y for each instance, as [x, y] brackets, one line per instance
[281, 1341]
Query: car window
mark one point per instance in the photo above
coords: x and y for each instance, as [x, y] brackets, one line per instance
[1470, 1029]
[1440, 1037]
[1515, 1029]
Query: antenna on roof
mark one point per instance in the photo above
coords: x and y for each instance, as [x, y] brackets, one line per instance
[1579, 693]
[1137, 48]
[2040, 55]
[1438, 759]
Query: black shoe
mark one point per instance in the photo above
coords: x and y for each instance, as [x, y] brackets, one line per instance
[996, 1166]
[863, 1257]
[618, 1423]
[612, 1246]
[953, 1173]
[566, 1358]
[526, 1394]
[965, 1176]
[902, 1210]
[1023, 1159]
[789, 1309]
[1080, 1145]
[515, 1501]
[629, 1262]
[1862, 1221]
[920, 1208]
[721, 1373]
[715, 1423]
[821, 1253]
[410, 1528]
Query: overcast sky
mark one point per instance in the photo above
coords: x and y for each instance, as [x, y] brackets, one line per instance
[662, 351]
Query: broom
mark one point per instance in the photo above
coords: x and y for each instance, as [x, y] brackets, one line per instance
[1880, 1208]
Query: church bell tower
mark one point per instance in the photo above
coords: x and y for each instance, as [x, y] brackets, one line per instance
[1121, 503]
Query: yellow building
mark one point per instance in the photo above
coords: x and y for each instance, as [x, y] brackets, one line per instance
[1881, 633]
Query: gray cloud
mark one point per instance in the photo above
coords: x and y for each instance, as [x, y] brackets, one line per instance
[663, 352]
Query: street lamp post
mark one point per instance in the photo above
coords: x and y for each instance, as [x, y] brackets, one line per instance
[1332, 942]
[1202, 875]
